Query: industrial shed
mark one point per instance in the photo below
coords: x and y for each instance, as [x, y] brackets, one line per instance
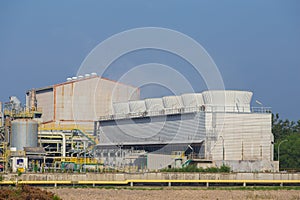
[79, 100]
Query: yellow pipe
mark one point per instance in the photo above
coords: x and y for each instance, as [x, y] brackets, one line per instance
[104, 182]
[214, 181]
[7, 182]
[44, 182]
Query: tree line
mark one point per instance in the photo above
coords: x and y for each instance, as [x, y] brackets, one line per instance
[287, 134]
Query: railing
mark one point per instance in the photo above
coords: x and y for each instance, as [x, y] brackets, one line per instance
[85, 135]
[62, 127]
[82, 131]
[261, 109]
[24, 113]
[203, 108]
[76, 160]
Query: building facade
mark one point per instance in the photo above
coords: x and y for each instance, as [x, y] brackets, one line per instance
[214, 126]
[80, 100]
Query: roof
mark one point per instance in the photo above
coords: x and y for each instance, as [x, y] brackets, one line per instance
[42, 89]
[47, 88]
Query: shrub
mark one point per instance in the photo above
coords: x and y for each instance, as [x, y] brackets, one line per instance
[194, 168]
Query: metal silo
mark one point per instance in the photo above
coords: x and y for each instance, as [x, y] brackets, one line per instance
[24, 134]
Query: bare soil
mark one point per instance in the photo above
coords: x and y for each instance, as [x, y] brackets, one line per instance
[171, 194]
[25, 192]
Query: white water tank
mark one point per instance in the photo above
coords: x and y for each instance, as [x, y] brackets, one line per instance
[24, 134]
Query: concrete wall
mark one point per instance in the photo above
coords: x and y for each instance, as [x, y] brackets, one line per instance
[159, 161]
[153, 176]
[250, 165]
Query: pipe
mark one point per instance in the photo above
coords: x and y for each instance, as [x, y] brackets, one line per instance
[63, 140]
[64, 144]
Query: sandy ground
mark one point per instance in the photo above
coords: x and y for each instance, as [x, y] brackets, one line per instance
[190, 194]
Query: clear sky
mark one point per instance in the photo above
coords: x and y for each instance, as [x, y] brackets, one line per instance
[255, 44]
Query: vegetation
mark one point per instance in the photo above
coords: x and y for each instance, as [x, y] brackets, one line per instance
[19, 173]
[288, 134]
[193, 168]
[26, 192]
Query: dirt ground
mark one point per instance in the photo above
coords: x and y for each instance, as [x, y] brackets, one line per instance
[171, 194]
[22, 192]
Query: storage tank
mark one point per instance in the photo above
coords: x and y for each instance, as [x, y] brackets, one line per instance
[24, 134]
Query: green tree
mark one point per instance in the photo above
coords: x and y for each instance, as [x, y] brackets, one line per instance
[290, 150]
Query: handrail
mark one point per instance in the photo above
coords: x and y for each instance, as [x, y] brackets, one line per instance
[186, 163]
[192, 109]
[85, 135]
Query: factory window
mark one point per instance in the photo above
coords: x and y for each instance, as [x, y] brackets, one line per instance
[20, 161]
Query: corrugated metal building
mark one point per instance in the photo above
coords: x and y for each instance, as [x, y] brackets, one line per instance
[215, 125]
[80, 100]
[160, 129]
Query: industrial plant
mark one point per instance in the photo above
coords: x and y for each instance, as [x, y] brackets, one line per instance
[93, 123]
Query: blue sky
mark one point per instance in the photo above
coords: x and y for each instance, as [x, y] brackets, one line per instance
[255, 44]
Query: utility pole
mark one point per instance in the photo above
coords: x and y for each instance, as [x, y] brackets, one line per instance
[278, 153]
